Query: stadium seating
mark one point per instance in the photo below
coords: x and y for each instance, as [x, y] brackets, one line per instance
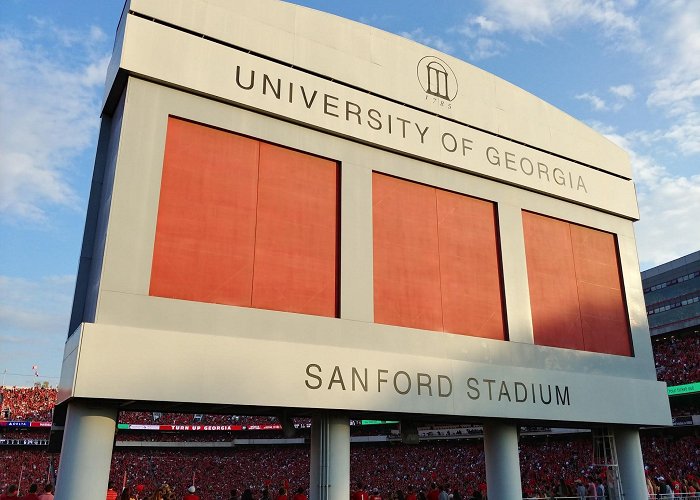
[677, 359]
[387, 467]
[27, 403]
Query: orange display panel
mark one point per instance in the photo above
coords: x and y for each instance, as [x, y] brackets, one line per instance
[576, 294]
[406, 258]
[604, 320]
[245, 223]
[205, 233]
[470, 276]
[556, 318]
[296, 237]
[436, 260]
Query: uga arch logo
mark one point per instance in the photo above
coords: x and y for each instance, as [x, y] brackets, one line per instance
[437, 79]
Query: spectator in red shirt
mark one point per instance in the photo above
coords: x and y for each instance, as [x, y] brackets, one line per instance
[111, 492]
[299, 495]
[360, 493]
[282, 494]
[48, 492]
[32, 494]
[11, 492]
[434, 492]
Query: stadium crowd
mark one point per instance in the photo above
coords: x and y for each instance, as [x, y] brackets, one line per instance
[678, 359]
[27, 403]
[142, 417]
[546, 463]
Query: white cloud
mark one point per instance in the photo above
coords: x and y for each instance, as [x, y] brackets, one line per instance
[625, 91]
[685, 133]
[675, 31]
[485, 25]
[675, 26]
[533, 19]
[669, 205]
[596, 102]
[34, 321]
[419, 35]
[620, 95]
[34, 317]
[49, 114]
[478, 42]
[670, 58]
[24, 298]
[484, 48]
[480, 48]
[675, 94]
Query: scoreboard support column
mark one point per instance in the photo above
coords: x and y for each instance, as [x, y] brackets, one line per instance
[87, 451]
[630, 461]
[330, 457]
[502, 460]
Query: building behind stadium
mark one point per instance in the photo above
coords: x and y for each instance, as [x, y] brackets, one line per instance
[672, 297]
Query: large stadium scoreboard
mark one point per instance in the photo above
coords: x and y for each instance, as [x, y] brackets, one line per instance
[295, 211]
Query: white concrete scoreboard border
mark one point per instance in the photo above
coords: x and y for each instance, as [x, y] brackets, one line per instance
[131, 346]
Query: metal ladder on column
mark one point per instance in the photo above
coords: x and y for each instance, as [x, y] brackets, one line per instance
[605, 455]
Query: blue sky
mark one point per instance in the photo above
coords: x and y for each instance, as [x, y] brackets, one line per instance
[628, 68]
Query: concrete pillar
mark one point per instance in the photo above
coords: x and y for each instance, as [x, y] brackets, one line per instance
[502, 461]
[86, 454]
[315, 480]
[630, 462]
[330, 457]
